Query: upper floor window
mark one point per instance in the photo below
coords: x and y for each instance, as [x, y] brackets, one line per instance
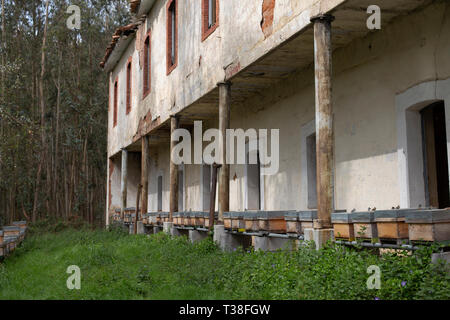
[115, 97]
[128, 102]
[210, 16]
[147, 65]
[172, 37]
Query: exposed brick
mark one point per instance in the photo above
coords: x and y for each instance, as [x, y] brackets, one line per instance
[268, 8]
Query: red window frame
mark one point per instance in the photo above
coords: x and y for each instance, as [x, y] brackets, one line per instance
[147, 74]
[128, 87]
[206, 29]
[115, 97]
[172, 46]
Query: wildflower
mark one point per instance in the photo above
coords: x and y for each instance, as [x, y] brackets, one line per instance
[376, 298]
[403, 283]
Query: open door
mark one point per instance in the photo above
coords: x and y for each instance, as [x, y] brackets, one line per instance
[434, 137]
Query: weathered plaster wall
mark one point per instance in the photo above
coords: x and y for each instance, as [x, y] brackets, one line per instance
[238, 41]
[368, 74]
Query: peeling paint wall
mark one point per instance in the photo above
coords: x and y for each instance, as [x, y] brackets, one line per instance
[237, 42]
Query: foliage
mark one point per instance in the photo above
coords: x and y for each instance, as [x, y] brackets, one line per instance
[53, 111]
[115, 265]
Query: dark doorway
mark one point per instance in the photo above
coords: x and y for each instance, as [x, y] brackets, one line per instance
[434, 136]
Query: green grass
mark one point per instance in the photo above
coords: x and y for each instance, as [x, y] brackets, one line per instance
[119, 266]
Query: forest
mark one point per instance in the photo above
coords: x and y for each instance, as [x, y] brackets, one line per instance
[53, 109]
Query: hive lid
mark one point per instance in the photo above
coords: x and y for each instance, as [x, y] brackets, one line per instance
[291, 215]
[250, 215]
[11, 228]
[428, 216]
[227, 214]
[363, 216]
[394, 213]
[237, 214]
[341, 217]
[307, 215]
[273, 214]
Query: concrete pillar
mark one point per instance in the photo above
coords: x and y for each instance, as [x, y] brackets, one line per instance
[228, 241]
[319, 236]
[167, 227]
[273, 244]
[156, 230]
[196, 236]
[144, 173]
[123, 181]
[174, 122]
[224, 124]
[140, 227]
[324, 120]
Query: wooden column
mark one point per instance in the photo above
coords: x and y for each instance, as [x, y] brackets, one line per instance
[145, 159]
[224, 124]
[324, 120]
[174, 121]
[123, 181]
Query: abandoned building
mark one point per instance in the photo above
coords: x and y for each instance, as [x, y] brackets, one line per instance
[363, 117]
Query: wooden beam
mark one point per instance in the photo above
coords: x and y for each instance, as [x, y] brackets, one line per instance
[123, 181]
[324, 120]
[224, 124]
[174, 122]
[144, 173]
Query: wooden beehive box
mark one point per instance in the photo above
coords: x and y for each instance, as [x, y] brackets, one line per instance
[21, 224]
[237, 221]
[429, 225]
[9, 231]
[306, 219]
[1, 236]
[391, 223]
[164, 217]
[177, 218]
[153, 218]
[199, 218]
[207, 222]
[293, 225]
[364, 225]
[272, 221]
[227, 220]
[342, 225]
[251, 222]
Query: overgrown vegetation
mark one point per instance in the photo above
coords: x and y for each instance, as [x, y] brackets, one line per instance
[115, 265]
[53, 108]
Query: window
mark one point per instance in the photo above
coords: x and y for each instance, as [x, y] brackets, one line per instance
[116, 84]
[160, 193]
[210, 16]
[206, 186]
[128, 107]
[311, 173]
[181, 188]
[147, 65]
[253, 179]
[172, 37]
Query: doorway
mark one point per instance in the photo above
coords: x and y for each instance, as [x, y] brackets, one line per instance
[434, 141]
